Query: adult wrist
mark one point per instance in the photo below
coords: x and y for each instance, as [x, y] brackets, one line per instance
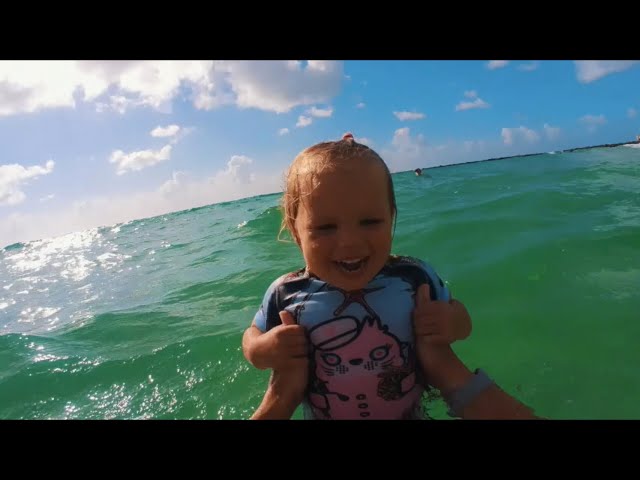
[461, 397]
[275, 406]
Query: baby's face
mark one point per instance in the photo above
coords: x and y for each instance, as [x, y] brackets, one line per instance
[344, 224]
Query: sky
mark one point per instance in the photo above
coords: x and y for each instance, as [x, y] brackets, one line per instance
[95, 143]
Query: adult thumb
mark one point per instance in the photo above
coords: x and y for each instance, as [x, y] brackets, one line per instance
[287, 318]
[423, 297]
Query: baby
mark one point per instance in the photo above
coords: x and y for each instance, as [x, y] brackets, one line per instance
[349, 311]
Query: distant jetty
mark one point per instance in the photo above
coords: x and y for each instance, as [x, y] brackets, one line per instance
[606, 145]
[569, 150]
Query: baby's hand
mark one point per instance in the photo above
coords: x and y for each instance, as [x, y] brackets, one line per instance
[283, 346]
[433, 320]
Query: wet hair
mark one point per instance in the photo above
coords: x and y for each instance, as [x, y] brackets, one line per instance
[324, 156]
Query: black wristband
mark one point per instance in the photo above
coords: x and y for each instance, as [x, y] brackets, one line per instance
[461, 397]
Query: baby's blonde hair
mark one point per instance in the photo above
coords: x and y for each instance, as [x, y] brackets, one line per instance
[321, 157]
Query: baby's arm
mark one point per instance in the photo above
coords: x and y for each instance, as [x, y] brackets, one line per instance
[253, 348]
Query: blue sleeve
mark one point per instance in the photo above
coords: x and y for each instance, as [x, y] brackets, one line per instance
[268, 308]
[442, 292]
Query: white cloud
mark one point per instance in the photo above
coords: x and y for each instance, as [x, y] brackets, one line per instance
[632, 112]
[117, 103]
[278, 86]
[47, 198]
[365, 141]
[591, 70]
[141, 159]
[168, 131]
[405, 151]
[592, 122]
[593, 119]
[551, 132]
[361, 105]
[136, 161]
[175, 133]
[13, 177]
[321, 65]
[494, 64]
[402, 139]
[304, 121]
[237, 180]
[283, 131]
[50, 84]
[170, 186]
[470, 94]
[528, 67]
[28, 86]
[477, 103]
[320, 113]
[473, 145]
[512, 135]
[402, 116]
[238, 169]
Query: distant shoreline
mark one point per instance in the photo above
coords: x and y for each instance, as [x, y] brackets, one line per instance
[569, 150]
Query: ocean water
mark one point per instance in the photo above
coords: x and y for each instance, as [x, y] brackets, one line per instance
[144, 319]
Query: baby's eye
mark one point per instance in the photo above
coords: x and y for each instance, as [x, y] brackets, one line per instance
[325, 227]
[370, 221]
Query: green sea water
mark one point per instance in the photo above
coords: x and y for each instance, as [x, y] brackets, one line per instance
[144, 319]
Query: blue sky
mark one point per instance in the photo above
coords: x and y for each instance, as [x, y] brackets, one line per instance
[84, 144]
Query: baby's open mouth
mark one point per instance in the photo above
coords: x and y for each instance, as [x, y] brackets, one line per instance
[353, 264]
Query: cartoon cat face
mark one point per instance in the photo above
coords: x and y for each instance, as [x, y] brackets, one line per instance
[369, 347]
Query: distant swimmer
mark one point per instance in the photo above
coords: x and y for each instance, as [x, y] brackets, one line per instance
[418, 172]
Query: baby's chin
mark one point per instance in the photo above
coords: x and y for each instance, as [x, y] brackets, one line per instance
[349, 281]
